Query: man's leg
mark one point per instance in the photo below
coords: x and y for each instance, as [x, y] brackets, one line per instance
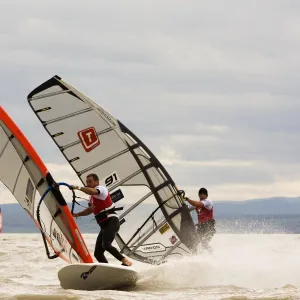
[109, 232]
[208, 235]
[99, 250]
[200, 235]
[205, 242]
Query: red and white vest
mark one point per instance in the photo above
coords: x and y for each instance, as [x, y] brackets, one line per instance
[99, 205]
[204, 214]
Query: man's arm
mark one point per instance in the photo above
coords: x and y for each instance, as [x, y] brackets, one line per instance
[195, 203]
[86, 190]
[85, 212]
[192, 208]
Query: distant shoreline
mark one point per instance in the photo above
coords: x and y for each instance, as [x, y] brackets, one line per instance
[263, 216]
[244, 224]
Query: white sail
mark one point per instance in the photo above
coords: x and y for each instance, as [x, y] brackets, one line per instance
[25, 175]
[155, 222]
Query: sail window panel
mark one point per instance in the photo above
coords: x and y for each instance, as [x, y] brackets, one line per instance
[157, 242]
[25, 190]
[133, 196]
[148, 234]
[135, 219]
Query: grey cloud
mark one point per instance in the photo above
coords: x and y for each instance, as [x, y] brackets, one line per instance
[208, 176]
[174, 73]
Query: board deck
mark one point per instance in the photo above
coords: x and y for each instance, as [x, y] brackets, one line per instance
[96, 276]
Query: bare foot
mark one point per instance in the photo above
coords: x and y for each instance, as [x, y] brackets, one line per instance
[126, 262]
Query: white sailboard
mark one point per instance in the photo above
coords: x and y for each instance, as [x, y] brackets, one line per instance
[155, 223]
[100, 276]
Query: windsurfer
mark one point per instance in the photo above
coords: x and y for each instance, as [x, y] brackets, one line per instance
[206, 222]
[103, 208]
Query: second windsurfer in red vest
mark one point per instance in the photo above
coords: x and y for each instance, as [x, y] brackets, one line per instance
[206, 222]
[102, 206]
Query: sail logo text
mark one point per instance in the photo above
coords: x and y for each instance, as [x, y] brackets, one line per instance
[111, 179]
[60, 239]
[106, 116]
[152, 248]
[89, 138]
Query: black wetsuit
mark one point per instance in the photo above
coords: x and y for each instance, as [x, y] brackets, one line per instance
[109, 229]
[206, 231]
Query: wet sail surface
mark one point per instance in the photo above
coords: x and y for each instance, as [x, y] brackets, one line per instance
[25, 175]
[155, 223]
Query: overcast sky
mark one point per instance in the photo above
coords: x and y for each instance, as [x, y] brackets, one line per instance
[211, 87]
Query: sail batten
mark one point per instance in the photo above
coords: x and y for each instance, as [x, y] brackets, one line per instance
[48, 95]
[68, 116]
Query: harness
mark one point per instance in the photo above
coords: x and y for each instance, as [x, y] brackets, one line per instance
[103, 215]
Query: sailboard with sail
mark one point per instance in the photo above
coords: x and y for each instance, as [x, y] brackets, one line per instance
[155, 223]
[26, 176]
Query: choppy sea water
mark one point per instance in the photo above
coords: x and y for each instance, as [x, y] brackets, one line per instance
[246, 266]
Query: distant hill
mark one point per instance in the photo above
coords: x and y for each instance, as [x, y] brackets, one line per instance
[231, 216]
[270, 206]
